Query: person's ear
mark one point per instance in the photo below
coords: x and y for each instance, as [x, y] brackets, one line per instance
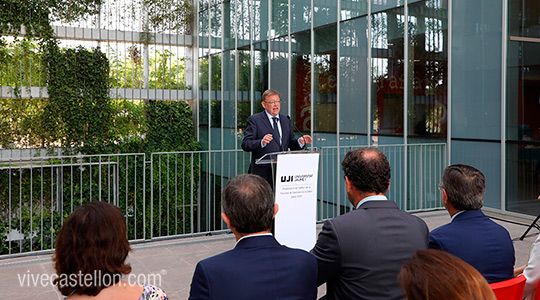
[276, 209]
[226, 220]
[348, 184]
[444, 197]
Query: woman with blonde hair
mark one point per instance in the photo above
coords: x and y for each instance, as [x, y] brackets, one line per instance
[438, 275]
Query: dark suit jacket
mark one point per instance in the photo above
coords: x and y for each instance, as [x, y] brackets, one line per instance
[479, 241]
[258, 268]
[257, 127]
[361, 252]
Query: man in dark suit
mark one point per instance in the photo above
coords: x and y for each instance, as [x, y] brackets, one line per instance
[471, 235]
[269, 131]
[258, 268]
[360, 253]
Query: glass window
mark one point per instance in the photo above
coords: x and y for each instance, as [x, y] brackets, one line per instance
[486, 157]
[203, 32]
[523, 18]
[229, 103]
[203, 101]
[353, 8]
[260, 62]
[279, 77]
[387, 72]
[353, 81]
[301, 80]
[243, 22]
[325, 85]
[229, 26]
[476, 70]
[428, 57]
[300, 15]
[280, 18]
[523, 127]
[215, 99]
[325, 12]
[215, 27]
[382, 5]
[522, 178]
[244, 83]
[260, 20]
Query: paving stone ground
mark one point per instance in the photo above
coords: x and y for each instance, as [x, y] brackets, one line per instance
[173, 261]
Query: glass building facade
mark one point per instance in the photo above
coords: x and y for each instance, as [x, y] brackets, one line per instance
[383, 72]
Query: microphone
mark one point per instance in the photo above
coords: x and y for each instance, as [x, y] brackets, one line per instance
[296, 128]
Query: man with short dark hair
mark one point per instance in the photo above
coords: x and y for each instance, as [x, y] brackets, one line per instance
[471, 235]
[258, 267]
[268, 132]
[360, 253]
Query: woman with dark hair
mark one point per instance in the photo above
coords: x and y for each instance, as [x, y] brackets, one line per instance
[90, 256]
[434, 274]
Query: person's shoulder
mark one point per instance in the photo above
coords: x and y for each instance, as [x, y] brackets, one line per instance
[216, 259]
[299, 255]
[153, 292]
[442, 229]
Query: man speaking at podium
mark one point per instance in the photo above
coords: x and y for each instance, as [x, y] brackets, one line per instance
[269, 131]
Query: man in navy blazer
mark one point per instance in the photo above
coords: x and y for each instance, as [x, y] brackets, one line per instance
[260, 136]
[258, 268]
[471, 235]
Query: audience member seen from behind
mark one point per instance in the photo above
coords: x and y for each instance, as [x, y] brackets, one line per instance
[531, 270]
[360, 253]
[258, 268]
[435, 274]
[471, 235]
[90, 256]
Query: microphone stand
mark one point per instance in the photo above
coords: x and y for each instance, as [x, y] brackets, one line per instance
[301, 135]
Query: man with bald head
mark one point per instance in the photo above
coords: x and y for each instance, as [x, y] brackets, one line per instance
[360, 253]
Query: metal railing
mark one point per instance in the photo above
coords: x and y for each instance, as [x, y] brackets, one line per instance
[172, 194]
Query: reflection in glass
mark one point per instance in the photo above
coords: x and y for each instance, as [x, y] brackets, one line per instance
[243, 24]
[229, 26]
[260, 61]
[215, 99]
[428, 56]
[523, 18]
[260, 20]
[244, 82]
[280, 18]
[215, 27]
[325, 12]
[476, 69]
[387, 72]
[325, 75]
[353, 82]
[203, 32]
[486, 157]
[353, 8]
[203, 101]
[279, 79]
[229, 107]
[381, 5]
[300, 15]
[523, 127]
[301, 80]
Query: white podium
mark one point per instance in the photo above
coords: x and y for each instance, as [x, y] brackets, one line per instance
[295, 190]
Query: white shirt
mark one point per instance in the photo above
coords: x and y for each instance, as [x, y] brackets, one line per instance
[371, 198]
[251, 235]
[279, 128]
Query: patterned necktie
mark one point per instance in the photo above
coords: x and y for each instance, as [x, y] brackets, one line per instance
[276, 130]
